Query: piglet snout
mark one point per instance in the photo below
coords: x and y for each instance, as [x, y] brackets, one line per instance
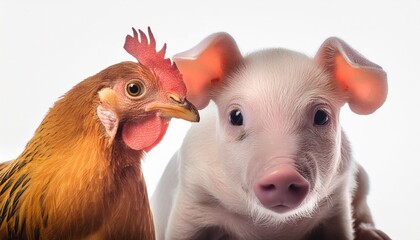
[281, 189]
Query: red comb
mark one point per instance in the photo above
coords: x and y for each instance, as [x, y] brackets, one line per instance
[146, 54]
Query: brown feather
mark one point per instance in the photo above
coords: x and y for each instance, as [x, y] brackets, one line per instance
[69, 182]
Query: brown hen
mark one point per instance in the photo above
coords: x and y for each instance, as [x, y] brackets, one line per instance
[80, 176]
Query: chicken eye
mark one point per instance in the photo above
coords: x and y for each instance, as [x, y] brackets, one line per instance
[236, 118]
[321, 118]
[135, 88]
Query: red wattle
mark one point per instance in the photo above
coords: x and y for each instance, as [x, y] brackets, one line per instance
[144, 134]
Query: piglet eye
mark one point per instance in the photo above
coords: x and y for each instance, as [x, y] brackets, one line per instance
[236, 118]
[135, 88]
[321, 117]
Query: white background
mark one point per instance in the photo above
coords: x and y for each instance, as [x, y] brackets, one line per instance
[46, 48]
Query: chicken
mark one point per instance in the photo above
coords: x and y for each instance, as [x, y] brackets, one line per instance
[80, 176]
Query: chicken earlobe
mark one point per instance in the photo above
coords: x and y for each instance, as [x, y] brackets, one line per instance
[109, 120]
[105, 114]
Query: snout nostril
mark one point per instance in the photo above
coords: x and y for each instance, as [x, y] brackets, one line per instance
[294, 188]
[268, 187]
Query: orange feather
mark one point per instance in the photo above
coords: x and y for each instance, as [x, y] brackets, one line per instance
[69, 182]
[80, 176]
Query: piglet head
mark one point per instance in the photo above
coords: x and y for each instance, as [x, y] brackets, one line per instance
[279, 140]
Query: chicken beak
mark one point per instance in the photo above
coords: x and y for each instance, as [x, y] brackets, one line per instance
[177, 108]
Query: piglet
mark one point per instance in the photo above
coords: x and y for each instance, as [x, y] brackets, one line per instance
[269, 159]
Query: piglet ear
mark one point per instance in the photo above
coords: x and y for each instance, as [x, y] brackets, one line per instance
[363, 81]
[206, 63]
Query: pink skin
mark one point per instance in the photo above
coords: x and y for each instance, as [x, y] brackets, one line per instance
[272, 173]
[281, 189]
[280, 171]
